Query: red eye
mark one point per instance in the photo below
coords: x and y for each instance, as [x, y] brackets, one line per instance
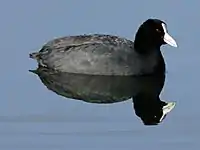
[158, 30]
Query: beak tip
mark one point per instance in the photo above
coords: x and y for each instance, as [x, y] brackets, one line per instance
[175, 45]
[169, 40]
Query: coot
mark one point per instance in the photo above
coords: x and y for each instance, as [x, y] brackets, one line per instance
[100, 54]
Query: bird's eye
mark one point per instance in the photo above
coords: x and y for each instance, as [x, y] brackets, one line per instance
[158, 30]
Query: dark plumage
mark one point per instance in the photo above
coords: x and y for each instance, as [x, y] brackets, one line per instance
[99, 54]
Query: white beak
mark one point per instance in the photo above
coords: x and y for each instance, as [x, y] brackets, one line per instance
[167, 38]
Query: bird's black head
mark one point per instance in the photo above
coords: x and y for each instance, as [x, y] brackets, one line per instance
[151, 35]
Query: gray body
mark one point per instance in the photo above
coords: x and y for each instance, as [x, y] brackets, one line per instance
[96, 55]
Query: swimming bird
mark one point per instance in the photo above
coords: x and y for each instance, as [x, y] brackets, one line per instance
[101, 54]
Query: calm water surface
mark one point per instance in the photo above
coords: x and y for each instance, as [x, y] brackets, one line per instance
[33, 118]
[61, 132]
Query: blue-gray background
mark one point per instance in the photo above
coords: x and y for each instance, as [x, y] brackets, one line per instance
[34, 118]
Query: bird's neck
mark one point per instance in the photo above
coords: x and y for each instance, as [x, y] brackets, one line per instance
[146, 50]
[145, 46]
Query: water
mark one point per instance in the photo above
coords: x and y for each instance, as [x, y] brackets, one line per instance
[58, 132]
[33, 118]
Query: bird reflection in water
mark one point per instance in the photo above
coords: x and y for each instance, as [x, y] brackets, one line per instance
[143, 90]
